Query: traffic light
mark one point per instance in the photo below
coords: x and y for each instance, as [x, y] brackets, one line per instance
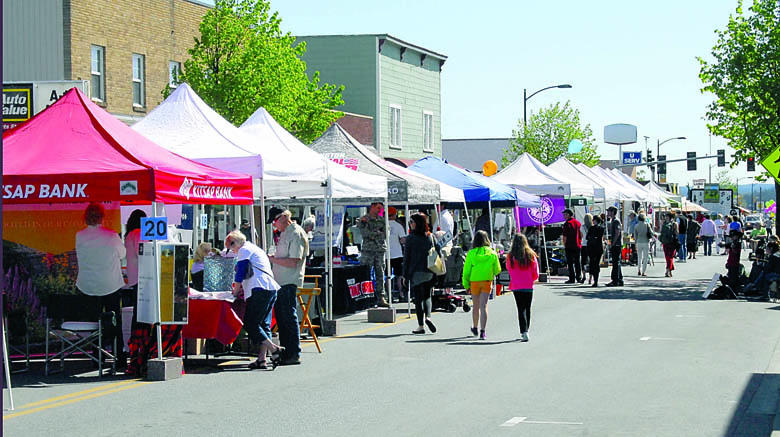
[649, 156]
[661, 164]
[691, 161]
[721, 158]
[751, 164]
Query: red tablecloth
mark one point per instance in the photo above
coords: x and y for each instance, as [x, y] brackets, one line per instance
[212, 319]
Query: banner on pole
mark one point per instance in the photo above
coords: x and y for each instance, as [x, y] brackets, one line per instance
[550, 211]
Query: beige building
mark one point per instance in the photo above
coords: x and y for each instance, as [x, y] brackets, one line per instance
[128, 49]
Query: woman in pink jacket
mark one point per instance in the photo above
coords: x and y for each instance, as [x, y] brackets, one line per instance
[523, 271]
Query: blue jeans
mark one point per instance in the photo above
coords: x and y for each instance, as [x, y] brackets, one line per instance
[683, 250]
[257, 317]
[286, 311]
[707, 244]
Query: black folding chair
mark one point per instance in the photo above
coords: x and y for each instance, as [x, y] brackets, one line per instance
[77, 322]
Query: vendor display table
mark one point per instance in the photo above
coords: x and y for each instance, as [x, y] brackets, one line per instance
[353, 289]
[214, 318]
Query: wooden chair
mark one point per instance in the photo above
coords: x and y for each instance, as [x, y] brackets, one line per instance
[310, 294]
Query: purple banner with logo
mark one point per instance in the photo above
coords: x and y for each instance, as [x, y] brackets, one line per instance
[551, 211]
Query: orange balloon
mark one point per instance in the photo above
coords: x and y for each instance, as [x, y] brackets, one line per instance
[489, 168]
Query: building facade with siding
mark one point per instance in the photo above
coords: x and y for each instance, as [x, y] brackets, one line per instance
[127, 49]
[395, 83]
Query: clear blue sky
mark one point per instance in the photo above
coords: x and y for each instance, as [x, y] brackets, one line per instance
[628, 62]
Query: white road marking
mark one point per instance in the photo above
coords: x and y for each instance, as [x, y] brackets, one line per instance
[513, 421]
[552, 423]
[661, 338]
[689, 315]
[517, 420]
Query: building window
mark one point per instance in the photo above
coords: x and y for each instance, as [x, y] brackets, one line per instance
[395, 126]
[427, 131]
[98, 85]
[138, 80]
[174, 69]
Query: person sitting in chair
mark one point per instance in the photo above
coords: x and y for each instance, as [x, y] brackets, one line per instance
[769, 272]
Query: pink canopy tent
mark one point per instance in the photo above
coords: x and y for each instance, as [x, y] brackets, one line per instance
[74, 151]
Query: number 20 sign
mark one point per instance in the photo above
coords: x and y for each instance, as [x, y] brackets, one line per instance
[154, 228]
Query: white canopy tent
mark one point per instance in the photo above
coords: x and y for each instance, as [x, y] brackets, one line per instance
[287, 159]
[528, 174]
[626, 191]
[187, 126]
[565, 167]
[611, 190]
[652, 197]
[655, 188]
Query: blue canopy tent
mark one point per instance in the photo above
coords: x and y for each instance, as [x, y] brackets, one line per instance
[479, 191]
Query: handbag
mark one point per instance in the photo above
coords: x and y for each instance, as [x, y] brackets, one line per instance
[435, 264]
[649, 232]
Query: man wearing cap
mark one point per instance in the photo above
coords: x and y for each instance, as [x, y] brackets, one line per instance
[289, 264]
[572, 243]
[246, 230]
[372, 252]
[615, 246]
[397, 238]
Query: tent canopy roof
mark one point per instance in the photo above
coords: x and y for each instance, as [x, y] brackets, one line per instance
[530, 175]
[84, 154]
[293, 169]
[184, 124]
[338, 144]
[477, 189]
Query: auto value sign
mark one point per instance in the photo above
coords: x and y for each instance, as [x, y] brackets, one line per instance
[21, 101]
[632, 158]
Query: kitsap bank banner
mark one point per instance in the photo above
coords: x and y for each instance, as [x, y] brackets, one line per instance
[22, 100]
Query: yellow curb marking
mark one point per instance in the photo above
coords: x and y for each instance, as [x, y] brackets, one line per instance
[70, 401]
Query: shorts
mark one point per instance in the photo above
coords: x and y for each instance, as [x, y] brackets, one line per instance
[481, 287]
[396, 266]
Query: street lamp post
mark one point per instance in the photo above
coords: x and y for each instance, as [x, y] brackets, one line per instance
[658, 154]
[526, 98]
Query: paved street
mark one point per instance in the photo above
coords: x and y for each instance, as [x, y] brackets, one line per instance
[650, 359]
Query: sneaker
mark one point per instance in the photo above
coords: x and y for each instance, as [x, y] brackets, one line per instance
[482, 335]
[474, 332]
[524, 337]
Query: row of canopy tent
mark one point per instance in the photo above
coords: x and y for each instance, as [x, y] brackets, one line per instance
[284, 168]
[564, 178]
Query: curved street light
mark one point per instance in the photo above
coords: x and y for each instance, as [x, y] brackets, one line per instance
[525, 99]
[658, 153]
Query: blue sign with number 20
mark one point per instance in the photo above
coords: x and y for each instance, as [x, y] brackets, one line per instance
[154, 228]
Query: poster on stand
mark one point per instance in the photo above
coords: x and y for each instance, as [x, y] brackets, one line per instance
[320, 228]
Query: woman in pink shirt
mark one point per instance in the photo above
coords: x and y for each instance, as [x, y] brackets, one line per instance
[523, 271]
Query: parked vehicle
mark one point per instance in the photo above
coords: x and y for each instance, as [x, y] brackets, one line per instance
[753, 221]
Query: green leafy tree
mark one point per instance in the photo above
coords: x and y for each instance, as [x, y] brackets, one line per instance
[548, 135]
[725, 181]
[744, 77]
[243, 61]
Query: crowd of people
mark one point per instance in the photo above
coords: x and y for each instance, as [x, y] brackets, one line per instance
[268, 282]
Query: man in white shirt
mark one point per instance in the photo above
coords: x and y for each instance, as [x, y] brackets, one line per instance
[289, 266]
[99, 252]
[721, 226]
[397, 238]
[708, 232]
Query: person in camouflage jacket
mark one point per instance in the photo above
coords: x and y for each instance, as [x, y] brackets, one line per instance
[373, 229]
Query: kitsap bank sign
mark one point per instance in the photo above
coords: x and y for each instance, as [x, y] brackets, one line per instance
[22, 100]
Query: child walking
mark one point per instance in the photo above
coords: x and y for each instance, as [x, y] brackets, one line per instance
[523, 271]
[480, 268]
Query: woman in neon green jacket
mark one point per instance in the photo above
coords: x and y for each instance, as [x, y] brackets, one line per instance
[480, 268]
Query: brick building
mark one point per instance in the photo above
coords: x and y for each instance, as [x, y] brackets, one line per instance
[127, 49]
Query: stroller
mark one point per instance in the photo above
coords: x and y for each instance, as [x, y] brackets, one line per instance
[443, 297]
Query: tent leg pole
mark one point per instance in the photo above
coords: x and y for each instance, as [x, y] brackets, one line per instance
[409, 285]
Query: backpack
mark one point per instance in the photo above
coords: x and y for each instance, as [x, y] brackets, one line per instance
[668, 234]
